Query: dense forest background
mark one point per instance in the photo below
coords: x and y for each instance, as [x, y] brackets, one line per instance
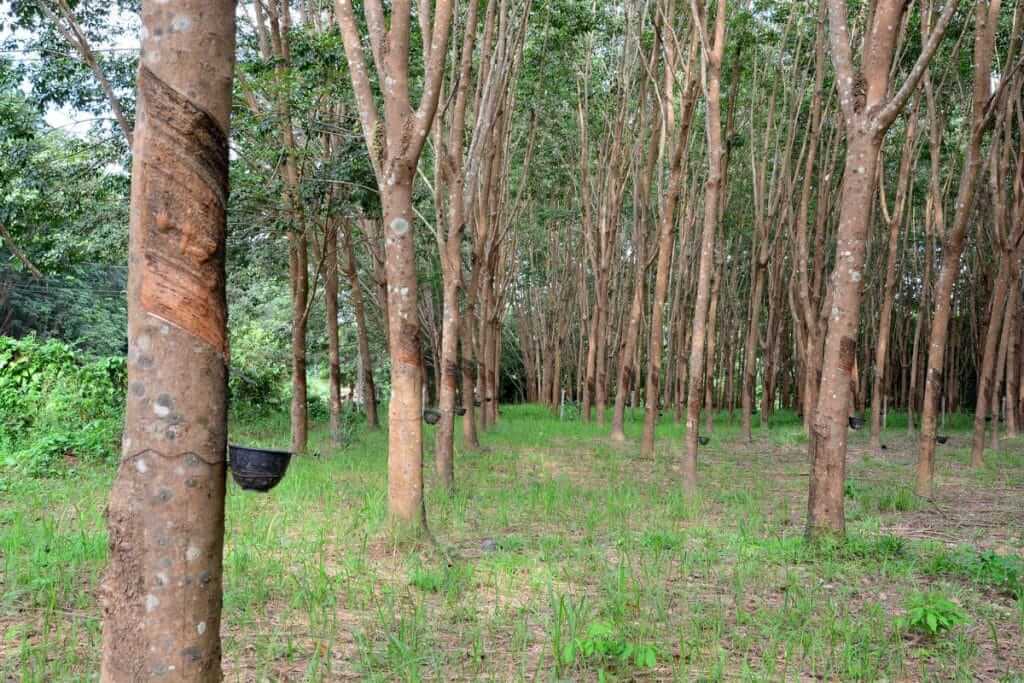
[692, 327]
[66, 194]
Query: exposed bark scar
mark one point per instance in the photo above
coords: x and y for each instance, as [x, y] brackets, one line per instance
[184, 202]
[847, 353]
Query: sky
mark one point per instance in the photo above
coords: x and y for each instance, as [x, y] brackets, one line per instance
[67, 118]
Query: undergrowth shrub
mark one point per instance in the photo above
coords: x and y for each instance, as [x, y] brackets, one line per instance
[852, 548]
[931, 613]
[881, 499]
[57, 406]
[260, 370]
[1002, 573]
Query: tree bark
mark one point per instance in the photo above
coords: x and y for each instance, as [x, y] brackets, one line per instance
[363, 340]
[298, 266]
[627, 356]
[828, 438]
[1013, 367]
[450, 250]
[760, 260]
[161, 594]
[712, 66]
[331, 311]
[394, 162]
[867, 118]
[986, 20]
[889, 288]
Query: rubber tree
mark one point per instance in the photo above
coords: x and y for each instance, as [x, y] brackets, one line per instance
[394, 139]
[1007, 284]
[161, 594]
[627, 371]
[331, 315]
[450, 250]
[868, 112]
[986, 18]
[712, 52]
[362, 336]
[680, 140]
[273, 24]
[893, 219]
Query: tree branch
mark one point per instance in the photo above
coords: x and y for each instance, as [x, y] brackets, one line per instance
[895, 104]
[19, 253]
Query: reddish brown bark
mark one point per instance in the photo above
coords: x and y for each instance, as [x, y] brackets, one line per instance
[867, 119]
[449, 247]
[404, 132]
[161, 593]
[627, 376]
[986, 20]
[713, 50]
[363, 340]
[331, 316]
[895, 220]
[667, 218]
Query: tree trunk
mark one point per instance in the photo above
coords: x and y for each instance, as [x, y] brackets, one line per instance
[1013, 366]
[713, 186]
[986, 374]
[750, 346]
[161, 594]
[298, 266]
[889, 288]
[627, 352]
[331, 310]
[365, 360]
[444, 437]
[828, 437]
[469, 436]
[918, 325]
[998, 397]
[868, 116]
[405, 410]
[591, 368]
[712, 338]
[986, 19]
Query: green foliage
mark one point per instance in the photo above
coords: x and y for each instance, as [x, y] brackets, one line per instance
[852, 548]
[48, 455]
[600, 644]
[875, 548]
[450, 580]
[259, 370]
[890, 498]
[55, 405]
[603, 645]
[930, 613]
[1004, 573]
[661, 541]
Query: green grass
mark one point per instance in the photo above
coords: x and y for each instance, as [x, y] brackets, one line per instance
[562, 555]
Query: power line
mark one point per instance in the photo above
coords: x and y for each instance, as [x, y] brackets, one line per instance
[56, 289]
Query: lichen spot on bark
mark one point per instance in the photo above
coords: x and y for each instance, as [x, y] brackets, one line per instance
[399, 226]
[161, 409]
[152, 602]
[182, 22]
